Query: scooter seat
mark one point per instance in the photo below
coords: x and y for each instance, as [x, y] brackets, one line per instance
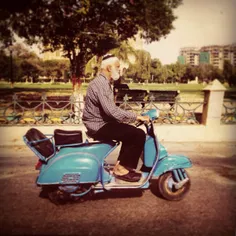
[65, 137]
[37, 140]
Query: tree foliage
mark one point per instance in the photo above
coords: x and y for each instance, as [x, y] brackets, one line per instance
[155, 70]
[84, 28]
[176, 71]
[4, 66]
[55, 70]
[140, 70]
[229, 73]
[17, 63]
[27, 66]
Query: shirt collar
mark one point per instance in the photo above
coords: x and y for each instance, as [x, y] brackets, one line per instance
[109, 81]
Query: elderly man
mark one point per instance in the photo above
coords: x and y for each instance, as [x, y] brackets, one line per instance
[106, 121]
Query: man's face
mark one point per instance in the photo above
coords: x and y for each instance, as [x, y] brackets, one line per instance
[115, 71]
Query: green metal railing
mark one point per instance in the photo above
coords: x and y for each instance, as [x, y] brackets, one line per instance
[68, 110]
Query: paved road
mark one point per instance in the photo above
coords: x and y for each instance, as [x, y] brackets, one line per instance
[208, 209]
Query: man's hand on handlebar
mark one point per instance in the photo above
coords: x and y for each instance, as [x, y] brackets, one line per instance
[145, 119]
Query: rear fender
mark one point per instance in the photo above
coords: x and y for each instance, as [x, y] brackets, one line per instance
[171, 162]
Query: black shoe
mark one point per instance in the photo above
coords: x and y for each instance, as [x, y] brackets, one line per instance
[145, 168]
[132, 176]
[130, 169]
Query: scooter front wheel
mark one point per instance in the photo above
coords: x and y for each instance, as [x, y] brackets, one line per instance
[170, 190]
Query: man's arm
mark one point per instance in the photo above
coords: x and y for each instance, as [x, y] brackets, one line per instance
[106, 100]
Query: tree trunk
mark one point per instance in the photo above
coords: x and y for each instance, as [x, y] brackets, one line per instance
[76, 83]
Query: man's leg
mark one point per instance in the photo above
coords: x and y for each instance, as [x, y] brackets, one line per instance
[132, 139]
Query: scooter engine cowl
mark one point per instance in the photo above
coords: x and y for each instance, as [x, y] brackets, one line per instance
[70, 168]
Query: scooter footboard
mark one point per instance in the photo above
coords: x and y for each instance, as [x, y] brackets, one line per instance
[172, 162]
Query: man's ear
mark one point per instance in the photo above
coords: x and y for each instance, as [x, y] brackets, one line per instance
[109, 68]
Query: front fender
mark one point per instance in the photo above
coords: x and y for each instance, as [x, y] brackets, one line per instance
[171, 162]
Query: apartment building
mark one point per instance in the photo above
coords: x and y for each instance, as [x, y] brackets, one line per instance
[204, 58]
[229, 53]
[213, 54]
[189, 55]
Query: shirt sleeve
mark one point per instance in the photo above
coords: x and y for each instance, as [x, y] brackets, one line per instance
[106, 100]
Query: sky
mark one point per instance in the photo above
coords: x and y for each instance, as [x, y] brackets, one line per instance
[199, 23]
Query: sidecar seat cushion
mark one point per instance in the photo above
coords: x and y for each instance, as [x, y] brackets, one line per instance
[45, 147]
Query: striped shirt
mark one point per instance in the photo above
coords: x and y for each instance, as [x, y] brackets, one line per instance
[100, 107]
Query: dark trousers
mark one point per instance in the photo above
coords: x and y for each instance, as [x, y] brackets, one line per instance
[132, 139]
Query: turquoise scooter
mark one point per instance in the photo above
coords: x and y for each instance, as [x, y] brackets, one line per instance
[70, 168]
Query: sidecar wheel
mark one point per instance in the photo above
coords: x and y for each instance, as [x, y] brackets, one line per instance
[167, 188]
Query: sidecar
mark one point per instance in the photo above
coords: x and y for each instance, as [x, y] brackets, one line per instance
[64, 159]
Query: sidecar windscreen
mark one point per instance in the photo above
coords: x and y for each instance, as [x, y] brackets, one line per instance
[38, 141]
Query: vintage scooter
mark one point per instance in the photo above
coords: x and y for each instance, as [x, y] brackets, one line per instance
[69, 168]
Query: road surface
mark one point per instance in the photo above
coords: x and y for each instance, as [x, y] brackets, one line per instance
[208, 209]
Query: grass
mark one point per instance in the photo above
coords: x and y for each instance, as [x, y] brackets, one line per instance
[68, 87]
[180, 87]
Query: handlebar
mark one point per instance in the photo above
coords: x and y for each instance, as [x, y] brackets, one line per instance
[153, 114]
[139, 123]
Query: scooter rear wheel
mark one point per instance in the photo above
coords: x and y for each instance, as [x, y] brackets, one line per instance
[166, 187]
[59, 197]
[55, 195]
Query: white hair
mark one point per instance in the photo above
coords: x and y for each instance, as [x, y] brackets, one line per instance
[109, 61]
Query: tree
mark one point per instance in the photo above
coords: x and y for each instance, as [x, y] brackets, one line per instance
[232, 78]
[55, 69]
[26, 63]
[84, 28]
[227, 70]
[169, 73]
[165, 74]
[31, 70]
[132, 72]
[4, 66]
[190, 73]
[144, 65]
[155, 70]
[218, 74]
[229, 73]
[16, 62]
[124, 52]
[63, 69]
[140, 69]
[177, 71]
[205, 72]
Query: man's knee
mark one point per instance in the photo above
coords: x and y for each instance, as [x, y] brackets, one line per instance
[141, 135]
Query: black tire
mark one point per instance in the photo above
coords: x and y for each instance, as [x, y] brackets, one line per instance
[59, 197]
[167, 189]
